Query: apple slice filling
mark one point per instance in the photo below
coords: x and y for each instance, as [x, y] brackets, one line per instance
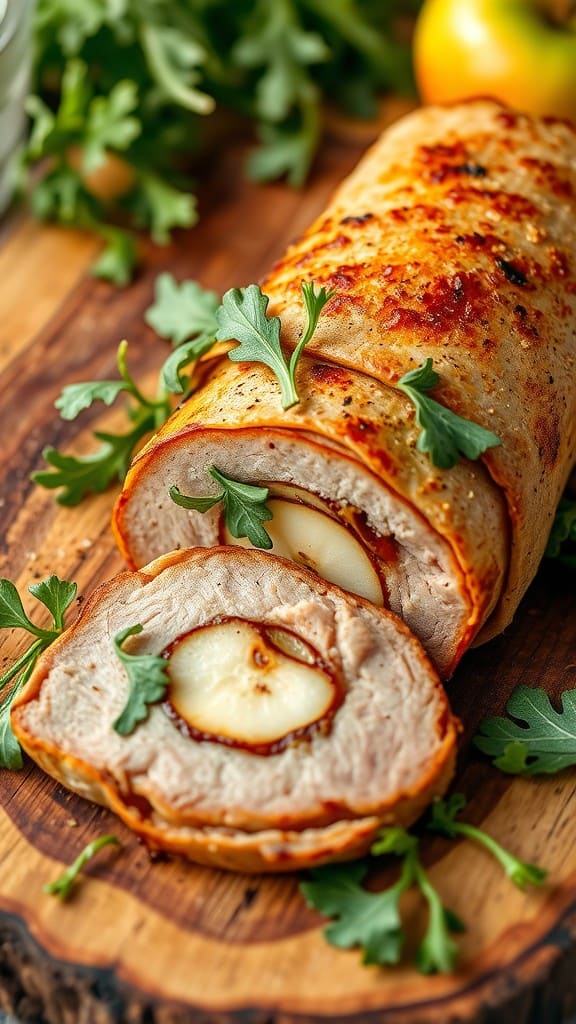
[242, 684]
[312, 537]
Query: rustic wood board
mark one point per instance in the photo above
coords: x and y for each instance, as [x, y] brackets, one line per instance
[146, 941]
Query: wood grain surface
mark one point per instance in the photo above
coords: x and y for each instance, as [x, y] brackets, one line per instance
[148, 940]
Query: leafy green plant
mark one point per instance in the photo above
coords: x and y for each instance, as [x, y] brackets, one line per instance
[138, 79]
[371, 920]
[186, 314]
[56, 595]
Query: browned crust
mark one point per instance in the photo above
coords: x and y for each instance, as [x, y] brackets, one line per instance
[453, 239]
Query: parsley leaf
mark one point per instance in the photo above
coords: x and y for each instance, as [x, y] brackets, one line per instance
[443, 820]
[437, 951]
[444, 435]
[242, 317]
[160, 207]
[110, 123]
[183, 311]
[544, 744]
[117, 261]
[63, 886]
[78, 476]
[244, 504]
[148, 679]
[136, 79]
[562, 540]
[57, 596]
[189, 353]
[370, 920]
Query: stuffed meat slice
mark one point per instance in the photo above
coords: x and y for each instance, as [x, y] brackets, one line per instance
[295, 720]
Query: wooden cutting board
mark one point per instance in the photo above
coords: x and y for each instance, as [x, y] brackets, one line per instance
[159, 941]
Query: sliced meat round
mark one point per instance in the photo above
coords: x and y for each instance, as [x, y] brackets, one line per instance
[297, 719]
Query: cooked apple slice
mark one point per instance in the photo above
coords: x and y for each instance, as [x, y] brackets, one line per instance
[235, 681]
[316, 540]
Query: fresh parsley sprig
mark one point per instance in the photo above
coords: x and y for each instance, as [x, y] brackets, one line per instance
[244, 507]
[137, 80]
[242, 318]
[56, 595]
[443, 820]
[444, 435]
[371, 920]
[148, 678]
[76, 476]
[182, 310]
[540, 741]
[186, 314]
[62, 886]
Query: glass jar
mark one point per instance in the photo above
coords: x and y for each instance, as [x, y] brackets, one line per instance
[15, 64]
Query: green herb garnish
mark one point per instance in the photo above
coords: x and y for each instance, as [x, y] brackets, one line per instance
[182, 311]
[137, 80]
[443, 820]
[546, 741]
[63, 886]
[77, 476]
[242, 317]
[444, 435]
[148, 678]
[371, 920]
[186, 314]
[244, 505]
[57, 596]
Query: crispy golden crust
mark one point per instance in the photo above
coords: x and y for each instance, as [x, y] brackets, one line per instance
[455, 238]
[269, 848]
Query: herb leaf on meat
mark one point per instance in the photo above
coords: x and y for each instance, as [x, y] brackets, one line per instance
[62, 887]
[444, 435]
[148, 678]
[244, 504]
[242, 318]
[546, 741]
[57, 596]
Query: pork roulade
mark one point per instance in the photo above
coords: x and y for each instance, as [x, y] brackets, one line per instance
[454, 240]
[296, 719]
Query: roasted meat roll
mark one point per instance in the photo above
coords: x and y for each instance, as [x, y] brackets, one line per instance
[454, 240]
[295, 722]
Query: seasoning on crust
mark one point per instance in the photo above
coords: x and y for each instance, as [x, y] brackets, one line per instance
[453, 239]
[379, 753]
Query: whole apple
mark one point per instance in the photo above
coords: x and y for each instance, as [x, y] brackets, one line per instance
[522, 52]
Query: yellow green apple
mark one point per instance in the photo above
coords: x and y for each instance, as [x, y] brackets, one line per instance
[522, 52]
